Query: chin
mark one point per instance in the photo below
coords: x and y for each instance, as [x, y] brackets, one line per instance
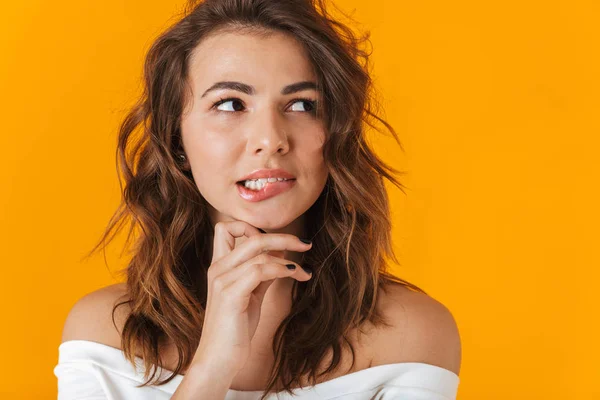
[272, 221]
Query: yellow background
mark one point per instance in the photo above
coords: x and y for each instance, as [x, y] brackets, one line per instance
[496, 105]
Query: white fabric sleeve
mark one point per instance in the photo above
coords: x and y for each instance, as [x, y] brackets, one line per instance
[78, 381]
[386, 392]
[394, 392]
[409, 393]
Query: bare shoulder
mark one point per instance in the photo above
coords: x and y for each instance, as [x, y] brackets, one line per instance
[423, 330]
[91, 317]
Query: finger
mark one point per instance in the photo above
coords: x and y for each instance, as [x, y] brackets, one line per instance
[256, 245]
[237, 273]
[225, 234]
[258, 274]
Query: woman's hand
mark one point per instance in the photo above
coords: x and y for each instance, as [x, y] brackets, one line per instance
[237, 281]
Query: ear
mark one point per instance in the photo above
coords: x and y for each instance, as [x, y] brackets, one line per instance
[182, 161]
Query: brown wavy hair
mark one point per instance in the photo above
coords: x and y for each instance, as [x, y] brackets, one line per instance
[169, 226]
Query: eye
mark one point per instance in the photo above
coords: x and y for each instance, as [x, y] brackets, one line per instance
[311, 104]
[231, 100]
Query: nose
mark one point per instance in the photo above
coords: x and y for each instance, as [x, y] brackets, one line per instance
[268, 134]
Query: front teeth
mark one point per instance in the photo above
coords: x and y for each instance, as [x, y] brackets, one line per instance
[257, 184]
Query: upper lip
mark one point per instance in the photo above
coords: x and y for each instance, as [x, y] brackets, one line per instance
[268, 173]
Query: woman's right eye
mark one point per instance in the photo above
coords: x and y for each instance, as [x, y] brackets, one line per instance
[230, 108]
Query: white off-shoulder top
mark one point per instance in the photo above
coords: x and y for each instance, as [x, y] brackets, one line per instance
[89, 370]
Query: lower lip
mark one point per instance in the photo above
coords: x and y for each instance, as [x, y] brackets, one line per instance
[269, 190]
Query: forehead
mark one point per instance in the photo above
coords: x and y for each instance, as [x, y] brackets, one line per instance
[278, 59]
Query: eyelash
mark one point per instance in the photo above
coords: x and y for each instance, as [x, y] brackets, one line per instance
[312, 103]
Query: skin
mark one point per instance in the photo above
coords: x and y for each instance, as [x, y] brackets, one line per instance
[267, 129]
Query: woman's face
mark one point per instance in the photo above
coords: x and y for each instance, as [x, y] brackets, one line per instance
[261, 125]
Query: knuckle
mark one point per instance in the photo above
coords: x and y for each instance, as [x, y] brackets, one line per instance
[258, 241]
[219, 226]
[264, 258]
[211, 271]
[218, 283]
[255, 271]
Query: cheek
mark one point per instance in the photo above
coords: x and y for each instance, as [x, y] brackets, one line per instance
[208, 143]
[310, 153]
[310, 138]
[212, 155]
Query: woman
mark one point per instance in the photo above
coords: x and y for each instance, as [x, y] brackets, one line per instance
[260, 264]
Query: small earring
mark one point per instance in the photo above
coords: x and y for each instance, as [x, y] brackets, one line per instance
[182, 157]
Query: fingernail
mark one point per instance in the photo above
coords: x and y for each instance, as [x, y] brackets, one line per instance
[290, 266]
[306, 241]
[307, 269]
[262, 230]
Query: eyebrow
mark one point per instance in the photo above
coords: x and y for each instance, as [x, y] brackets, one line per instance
[244, 88]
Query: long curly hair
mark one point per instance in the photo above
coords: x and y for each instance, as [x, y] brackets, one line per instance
[170, 234]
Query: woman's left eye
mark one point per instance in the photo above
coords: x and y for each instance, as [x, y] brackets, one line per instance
[311, 104]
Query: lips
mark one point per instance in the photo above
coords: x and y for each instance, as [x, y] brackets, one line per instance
[243, 183]
[268, 173]
[269, 190]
